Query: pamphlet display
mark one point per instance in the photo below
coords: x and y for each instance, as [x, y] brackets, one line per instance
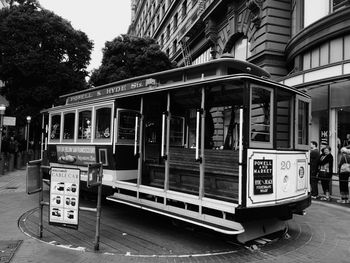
[64, 197]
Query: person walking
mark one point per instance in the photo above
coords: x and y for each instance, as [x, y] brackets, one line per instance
[344, 173]
[326, 171]
[314, 161]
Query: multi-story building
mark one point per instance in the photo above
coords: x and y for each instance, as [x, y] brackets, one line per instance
[302, 43]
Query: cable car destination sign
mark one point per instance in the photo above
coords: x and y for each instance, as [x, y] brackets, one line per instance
[110, 90]
[263, 183]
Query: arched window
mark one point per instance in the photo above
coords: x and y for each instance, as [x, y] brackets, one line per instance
[241, 49]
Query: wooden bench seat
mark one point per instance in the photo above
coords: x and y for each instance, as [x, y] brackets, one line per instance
[220, 172]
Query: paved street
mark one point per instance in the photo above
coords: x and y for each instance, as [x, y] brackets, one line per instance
[132, 235]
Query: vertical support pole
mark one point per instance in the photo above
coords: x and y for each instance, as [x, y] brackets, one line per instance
[167, 141]
[202, 142]
[41, 205]
[240, 156]
[140, 155]
[42, 138]
[98, 217]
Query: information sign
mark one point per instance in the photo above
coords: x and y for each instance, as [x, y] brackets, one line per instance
[263, 183]
[64, 197]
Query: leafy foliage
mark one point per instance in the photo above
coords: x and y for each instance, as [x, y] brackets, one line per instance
[41, 57]
[128, 56]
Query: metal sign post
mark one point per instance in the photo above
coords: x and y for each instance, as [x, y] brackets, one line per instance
[64, 194]
[95, 174]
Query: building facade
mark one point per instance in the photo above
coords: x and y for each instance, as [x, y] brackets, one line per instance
[302, 43]
[318, 57]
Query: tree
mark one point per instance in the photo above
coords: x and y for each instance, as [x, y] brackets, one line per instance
[128, 56]
[41, 57]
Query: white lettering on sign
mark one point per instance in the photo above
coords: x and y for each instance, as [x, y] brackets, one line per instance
[116, 89]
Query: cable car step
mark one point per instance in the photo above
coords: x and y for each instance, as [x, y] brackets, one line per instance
[215, 227]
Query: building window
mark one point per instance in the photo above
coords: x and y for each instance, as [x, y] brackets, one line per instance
[174, 46]
[162, 40]
[336, 50]
[347, 50]
[241, 49]
[324, 54]
[339, 4]
[168, 32]
[315, 58]
[330, 52]
[175, 21]
[204, 57]
[184, 8]
[315, 10]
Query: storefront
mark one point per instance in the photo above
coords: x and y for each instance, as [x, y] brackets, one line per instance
[331, 115]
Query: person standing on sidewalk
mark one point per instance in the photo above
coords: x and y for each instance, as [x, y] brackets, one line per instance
[344, 173]
[326, 171]
[314, 159]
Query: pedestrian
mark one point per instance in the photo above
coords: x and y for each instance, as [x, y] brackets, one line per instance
[326, 171]
[314, 163]
[344, 173]
[347, 140]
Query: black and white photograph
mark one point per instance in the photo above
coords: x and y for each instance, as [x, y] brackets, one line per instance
[174, 131]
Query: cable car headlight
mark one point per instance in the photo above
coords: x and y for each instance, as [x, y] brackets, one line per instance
[302, 183]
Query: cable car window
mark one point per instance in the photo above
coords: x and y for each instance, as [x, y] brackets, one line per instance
[261, 116]
[55, 127]
[68, 126]
[177, 131]
[303, 123]
[84, 125]
[283, 119]
[126, 127]
[103, 123]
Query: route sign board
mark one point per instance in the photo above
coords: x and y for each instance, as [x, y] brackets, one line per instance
[64, 197]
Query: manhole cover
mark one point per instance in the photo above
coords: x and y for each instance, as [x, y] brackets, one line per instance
[8, 249]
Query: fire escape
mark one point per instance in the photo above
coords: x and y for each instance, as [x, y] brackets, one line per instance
[192, 23]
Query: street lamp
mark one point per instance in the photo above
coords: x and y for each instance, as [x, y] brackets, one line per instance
[28, 125]
[2, 112]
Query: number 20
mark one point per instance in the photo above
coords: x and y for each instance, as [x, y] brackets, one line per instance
[285, 165]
